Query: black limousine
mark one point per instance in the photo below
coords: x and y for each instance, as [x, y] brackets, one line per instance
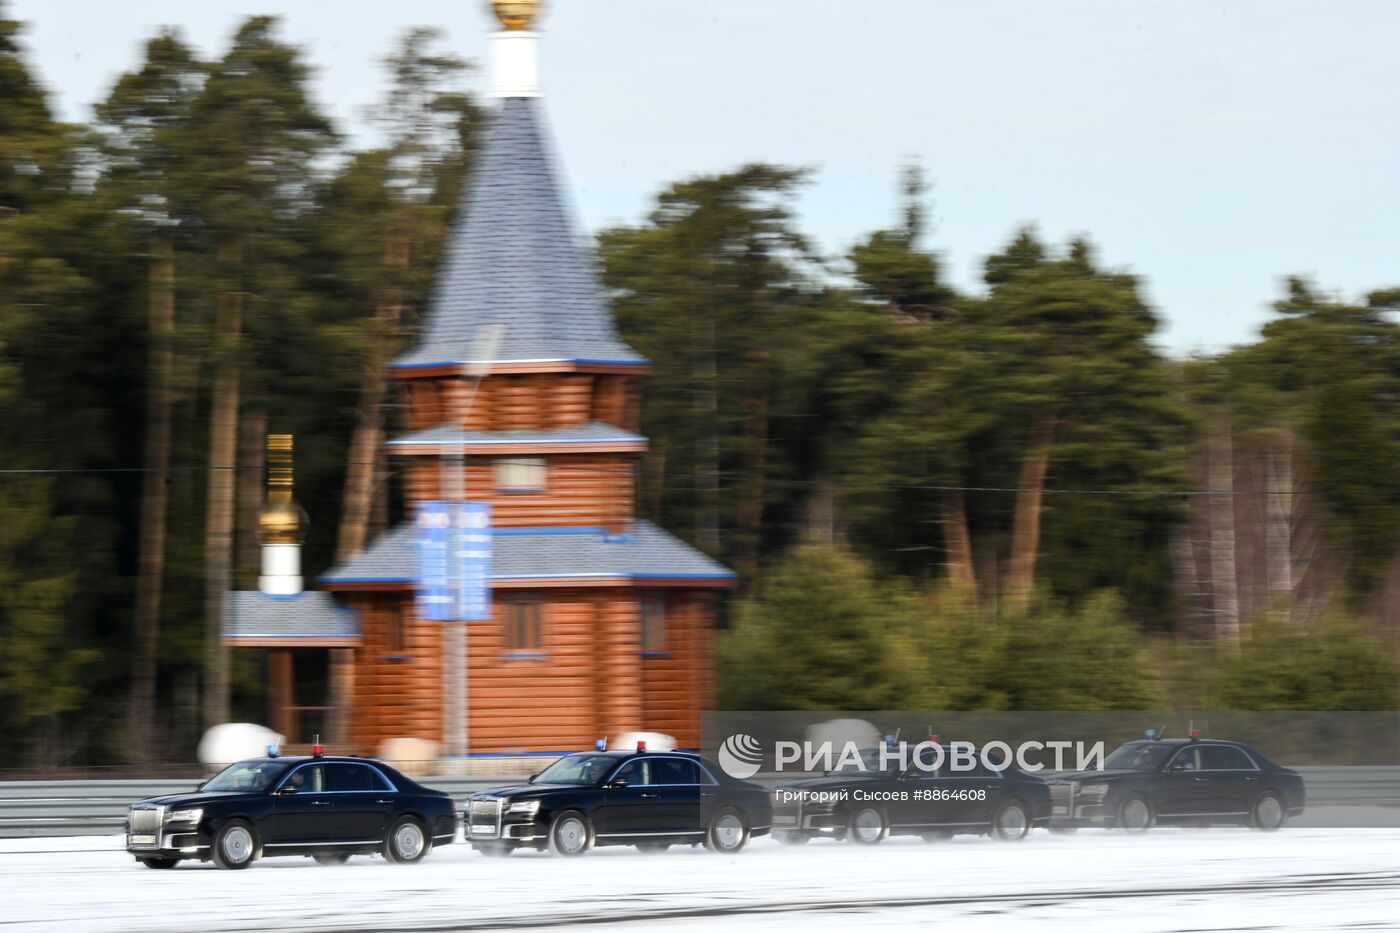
[328, 808]
[651, 800]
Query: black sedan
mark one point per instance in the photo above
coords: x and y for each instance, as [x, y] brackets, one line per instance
[1183, 782]
[867, 801]
[323, 807]
[651, 800]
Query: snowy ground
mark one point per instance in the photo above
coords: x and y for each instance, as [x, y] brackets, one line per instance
[1168, 880]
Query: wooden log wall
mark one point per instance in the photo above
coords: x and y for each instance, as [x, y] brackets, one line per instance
[533, 401]
[583, 489]
[587, 680]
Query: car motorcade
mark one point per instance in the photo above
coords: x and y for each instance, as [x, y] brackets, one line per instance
[325, 807]
[1183, 782]
[865, 802]
[651, 800]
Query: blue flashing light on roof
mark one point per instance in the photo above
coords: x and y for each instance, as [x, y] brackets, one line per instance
[272, 751]
[601, 745]
[1151, 735]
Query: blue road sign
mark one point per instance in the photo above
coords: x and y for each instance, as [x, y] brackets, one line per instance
[472, 563]
[434, 561]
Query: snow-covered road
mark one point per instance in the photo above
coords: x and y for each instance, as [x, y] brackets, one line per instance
[1168, 880]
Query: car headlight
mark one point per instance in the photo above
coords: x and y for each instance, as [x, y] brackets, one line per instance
[192, 815]
[1092, 790]
[524, 808]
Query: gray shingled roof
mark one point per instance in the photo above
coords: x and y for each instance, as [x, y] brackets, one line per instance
[309, 614]
[588, 432]
[513, 258]
[525, 553]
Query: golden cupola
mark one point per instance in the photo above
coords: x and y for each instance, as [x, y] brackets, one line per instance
[516, 15]
[282, 524]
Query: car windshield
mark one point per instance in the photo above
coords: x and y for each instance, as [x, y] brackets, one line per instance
[577, 769]
[869, 763]
[1137, 756]
[257, 775]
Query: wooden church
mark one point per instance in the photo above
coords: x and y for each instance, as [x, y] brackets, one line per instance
[521, 394]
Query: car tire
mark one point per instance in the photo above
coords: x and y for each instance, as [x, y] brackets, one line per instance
[331, 858]
[941, 835]
[406, 841]
[1135, 816]
[1268, 813]
[1012, 822]
[235, 845]
[570, 834]
[653, 848]
[159, 862]
[791, 839]
[726, 833]
[868, 826]
[493, 849]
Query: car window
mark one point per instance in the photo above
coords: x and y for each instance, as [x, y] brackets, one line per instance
[1224, 758]
[922, 768]
[345, 777]
[634, 772]
[1188, 759]
[246, 776]
[577, 770]
[673, 771]
[310, 779]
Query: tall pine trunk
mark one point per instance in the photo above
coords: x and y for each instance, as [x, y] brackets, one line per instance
[749, 518]
[957, 541]
[1278, 524]
[362, 476]
[219, 508]
[155, 497]
[252, 474]
[1025, 534]
[1225, 603]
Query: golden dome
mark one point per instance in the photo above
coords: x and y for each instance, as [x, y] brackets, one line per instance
[516, 14]
[282, 521]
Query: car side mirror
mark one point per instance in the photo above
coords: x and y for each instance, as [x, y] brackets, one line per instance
[1176, 768]
[618, 784]
[286, 790]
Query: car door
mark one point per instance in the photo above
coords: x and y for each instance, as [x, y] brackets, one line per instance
[302, 812]
[922, 806]
[1186, 788]
[363, 802]
[1234, 779]
[630, 801]
[678, 784]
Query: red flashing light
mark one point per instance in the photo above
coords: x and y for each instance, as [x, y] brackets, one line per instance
[933, 739]
[317, 751]
[1195, 733]
[641, 746]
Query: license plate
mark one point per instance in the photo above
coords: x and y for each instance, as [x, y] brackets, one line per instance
[483, 829]
[784, 820]
[143, 840]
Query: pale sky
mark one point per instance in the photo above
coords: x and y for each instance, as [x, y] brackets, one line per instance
[1210, 147]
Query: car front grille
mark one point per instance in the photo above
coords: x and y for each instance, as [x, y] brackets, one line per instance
[484, 818]
[1062, 799]
[143, 827]
[787, 811]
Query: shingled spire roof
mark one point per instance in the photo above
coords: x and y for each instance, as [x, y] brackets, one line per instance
[513, 258]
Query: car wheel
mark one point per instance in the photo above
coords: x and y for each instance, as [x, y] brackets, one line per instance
[727, 833]
[868, 827]
[331, 858]
[570, 834]
[791, 839]
[493, 849]
[1268, 814]
[941, 835]
[235, 845]
[159, 862]
[1012, 822]
[653, 848]
[1135, 816]
[406, 842]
